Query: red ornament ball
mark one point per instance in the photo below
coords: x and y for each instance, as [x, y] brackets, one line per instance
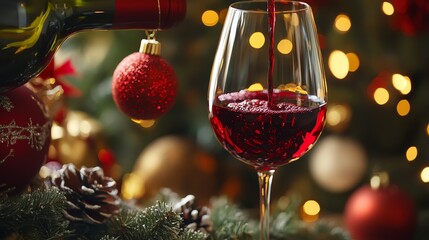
[144, 86]
[383, 213]
[25, 134]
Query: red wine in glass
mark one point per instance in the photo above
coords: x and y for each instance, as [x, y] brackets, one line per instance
[263, 136]
[274, 126]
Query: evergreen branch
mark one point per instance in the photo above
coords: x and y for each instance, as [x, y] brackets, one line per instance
[228, 221]
[39, 215]
[34, 216]
[155, 222]
[165, 223]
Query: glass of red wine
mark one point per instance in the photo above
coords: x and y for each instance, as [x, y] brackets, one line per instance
[267, 94]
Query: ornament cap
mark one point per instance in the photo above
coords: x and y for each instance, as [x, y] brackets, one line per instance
[150, 46]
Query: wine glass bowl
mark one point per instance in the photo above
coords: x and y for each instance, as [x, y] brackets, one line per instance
[267, 94]
[264, 137]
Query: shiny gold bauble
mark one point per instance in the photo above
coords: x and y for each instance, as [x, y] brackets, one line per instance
[171, 162]
[337, 163]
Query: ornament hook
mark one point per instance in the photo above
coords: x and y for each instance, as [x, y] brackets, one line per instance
[150, 35]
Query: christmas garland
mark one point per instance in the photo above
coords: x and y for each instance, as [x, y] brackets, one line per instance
[83, 204]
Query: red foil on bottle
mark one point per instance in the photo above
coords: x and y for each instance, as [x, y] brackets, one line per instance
[148, 14]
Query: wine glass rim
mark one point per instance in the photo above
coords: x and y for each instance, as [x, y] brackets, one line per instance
[303, 6]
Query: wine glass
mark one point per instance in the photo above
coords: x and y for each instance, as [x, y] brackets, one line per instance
[267, 94]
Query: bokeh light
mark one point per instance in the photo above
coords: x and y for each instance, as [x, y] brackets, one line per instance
[73, 127]
[257, 40]
[295, 19]
[338, 64]
[401, 83]
[310, 211]
[292, 18]
[222, 15]
[403, 107]
[210, 18]
[255, 87]
[293, 87]
[411, 153]
[333, 117]
[398, 81]
[424, 175]
[387, 8]
[342, 23]
[408, 87]
[132, 187]
[354, 61]
[285, 46]
[338, 116]
[57, 131]
[311, 207]
[85, 128]
[381, 96]
[379, 179]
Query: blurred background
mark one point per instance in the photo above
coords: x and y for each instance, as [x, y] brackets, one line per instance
[376, 57]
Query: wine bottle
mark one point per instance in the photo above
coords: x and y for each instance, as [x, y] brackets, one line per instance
[32, 30]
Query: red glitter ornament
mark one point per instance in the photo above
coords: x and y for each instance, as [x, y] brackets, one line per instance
[25, 134]
[383, 212]
[144, 85]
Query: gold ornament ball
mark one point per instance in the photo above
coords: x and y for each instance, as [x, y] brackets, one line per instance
[337, 163]
[172, 162]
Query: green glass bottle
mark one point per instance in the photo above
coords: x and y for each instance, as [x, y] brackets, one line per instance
[32, 30]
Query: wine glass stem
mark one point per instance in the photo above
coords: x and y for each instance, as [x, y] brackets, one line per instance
[265, 179]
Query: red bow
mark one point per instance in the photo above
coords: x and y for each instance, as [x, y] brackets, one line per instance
[51, 71]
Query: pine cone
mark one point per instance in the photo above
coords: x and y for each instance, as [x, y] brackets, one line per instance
[194, 218]
[91, 196]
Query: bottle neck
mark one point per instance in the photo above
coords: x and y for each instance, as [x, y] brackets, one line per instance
[84, 14]
[119, 14]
